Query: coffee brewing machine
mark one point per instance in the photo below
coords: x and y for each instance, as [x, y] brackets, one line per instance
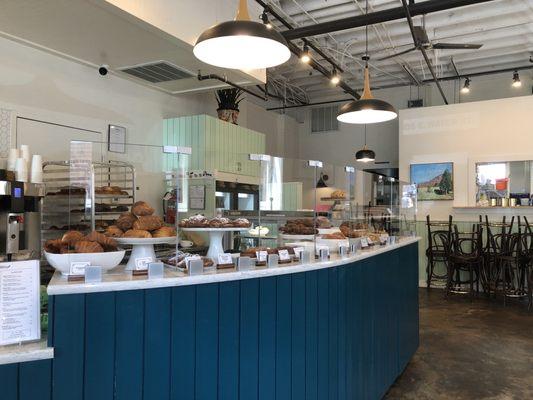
[20, 220]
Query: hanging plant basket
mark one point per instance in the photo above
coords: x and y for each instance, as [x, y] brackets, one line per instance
[228, 104]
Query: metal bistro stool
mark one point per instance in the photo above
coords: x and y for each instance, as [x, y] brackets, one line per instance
[466, 256]
[438, 250]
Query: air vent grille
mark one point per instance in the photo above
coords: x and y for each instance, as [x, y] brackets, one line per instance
[324, 119]
[160, 71]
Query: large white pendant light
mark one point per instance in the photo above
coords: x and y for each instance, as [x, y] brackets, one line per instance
[242, 44]
[366, 110]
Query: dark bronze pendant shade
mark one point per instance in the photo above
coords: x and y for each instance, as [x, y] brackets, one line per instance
[365, 155]
[242, 44]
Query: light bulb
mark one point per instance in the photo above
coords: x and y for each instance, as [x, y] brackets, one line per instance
[466, 88]
[516, 80]
[335, 78]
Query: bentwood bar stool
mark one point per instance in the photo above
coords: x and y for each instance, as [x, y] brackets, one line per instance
[437, 252]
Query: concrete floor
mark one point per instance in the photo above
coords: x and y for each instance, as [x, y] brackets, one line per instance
[470, 351]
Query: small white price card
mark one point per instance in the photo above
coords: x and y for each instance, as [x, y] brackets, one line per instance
[284, 255]
[225, 259]
[141, 264]
[364, 243]
[20, 318]
[261, 256]
[298, 251]
[78, 268]
[383, 239]
[369, 241]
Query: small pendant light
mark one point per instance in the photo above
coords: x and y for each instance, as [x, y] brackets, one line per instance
[366, 110]
[321, 183]
[242, 44]
[365, 154]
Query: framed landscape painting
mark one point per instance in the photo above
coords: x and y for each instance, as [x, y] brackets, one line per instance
[433, 181]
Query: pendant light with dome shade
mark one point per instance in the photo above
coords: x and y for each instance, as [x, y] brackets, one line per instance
[366, 110]
[242, 44]
[365, 154]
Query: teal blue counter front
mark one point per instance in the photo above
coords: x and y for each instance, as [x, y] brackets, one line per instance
[341, 332]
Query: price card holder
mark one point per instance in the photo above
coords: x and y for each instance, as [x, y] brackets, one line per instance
[93, 274]
[343, 251]
[195, 266]
[225, 260]
[273, 260]
[305, 256]
[323, 253]
[141, 266]
[392, 239]
[353, 248]
[284, 257]
[156, 270]
[245, 264]
[298, 252]
[364, 243]
[262, 257]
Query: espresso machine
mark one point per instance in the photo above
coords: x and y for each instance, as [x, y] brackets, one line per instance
[20, 220]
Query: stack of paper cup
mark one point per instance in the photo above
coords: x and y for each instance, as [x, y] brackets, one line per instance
[36, 169]
[21, 170]
[25, 153]
[12, 159]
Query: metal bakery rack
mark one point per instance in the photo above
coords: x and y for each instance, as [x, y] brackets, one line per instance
[93, 202]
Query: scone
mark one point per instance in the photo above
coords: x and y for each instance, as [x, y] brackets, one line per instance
[136, 233]
[148, 223]
[142, 209]
[125, 221]
[164, 231]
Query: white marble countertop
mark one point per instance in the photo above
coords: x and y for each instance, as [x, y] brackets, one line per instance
[33, 351]
[118, 279]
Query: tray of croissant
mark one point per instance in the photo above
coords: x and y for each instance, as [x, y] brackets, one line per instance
[141, 226]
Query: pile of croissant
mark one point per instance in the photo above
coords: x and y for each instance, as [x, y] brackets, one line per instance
[139, 223]
[77, 242]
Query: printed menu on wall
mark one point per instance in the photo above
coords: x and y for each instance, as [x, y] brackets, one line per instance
[20, 319]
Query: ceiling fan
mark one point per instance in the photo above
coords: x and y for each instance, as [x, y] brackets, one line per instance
[422, 41]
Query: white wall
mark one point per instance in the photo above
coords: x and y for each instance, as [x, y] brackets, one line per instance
[493, 130]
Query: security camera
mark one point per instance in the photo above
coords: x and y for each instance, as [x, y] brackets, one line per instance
[103, 70]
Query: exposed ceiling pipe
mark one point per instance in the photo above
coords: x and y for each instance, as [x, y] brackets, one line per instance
[425, 7]
[225, 80]
[314, 64]
[422, 50]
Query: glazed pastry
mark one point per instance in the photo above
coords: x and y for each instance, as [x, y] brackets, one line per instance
[142, 209]
[198, 221]
[136, 233]
[323, 223]
[54, 246]
[242, 223]
[102, 240]
[164, 231]
[125, 221]
[113, 231]
[148, 223]
[71, 237]
[336, 235]
[338, 194]
[85, 246]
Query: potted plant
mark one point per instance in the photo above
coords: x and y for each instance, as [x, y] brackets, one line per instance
[228, 104]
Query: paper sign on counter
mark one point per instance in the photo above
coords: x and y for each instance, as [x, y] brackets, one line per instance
[261, 256]
[364, 243]
[225, 259]
[284, 255]
[78, 268]
[141, 264]
[20, 318]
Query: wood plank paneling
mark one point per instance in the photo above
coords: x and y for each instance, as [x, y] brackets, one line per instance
[339, 333]
[99, 346]
[129, 338]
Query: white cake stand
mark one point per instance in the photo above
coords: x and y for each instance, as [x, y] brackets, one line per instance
[143, 248]
[215, 239]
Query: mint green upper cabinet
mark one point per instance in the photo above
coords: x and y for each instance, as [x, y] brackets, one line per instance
[216, 145]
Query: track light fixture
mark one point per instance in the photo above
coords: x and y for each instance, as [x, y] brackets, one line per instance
[266, 21]
[305, 56]
[242, 44]
[335, 77]
[466, 88]
[516, 80]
